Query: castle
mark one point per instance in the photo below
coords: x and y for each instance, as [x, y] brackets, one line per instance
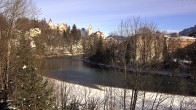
[61, 27]
[97, 33]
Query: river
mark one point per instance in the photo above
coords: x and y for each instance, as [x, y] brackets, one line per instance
[72, 69]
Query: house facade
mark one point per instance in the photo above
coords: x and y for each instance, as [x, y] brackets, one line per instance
[148, 49]
[35, 32]
[174, 43]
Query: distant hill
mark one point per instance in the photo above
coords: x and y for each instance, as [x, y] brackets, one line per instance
[119, 38]
[188, 32]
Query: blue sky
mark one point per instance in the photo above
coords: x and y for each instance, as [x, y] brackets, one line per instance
[105, 15]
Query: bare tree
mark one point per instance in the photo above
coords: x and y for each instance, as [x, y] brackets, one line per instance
[141, 53]
[13, 10]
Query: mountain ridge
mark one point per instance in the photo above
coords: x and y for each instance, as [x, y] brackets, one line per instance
[189, 31]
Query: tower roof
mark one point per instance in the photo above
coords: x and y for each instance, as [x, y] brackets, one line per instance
[90, 26]
[50, 20]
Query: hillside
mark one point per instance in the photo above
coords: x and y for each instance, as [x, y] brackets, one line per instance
[188, 32]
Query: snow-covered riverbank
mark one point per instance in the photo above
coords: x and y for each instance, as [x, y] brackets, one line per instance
[111, 98]
[61, 55]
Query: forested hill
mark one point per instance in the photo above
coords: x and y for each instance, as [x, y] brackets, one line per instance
[189, 31]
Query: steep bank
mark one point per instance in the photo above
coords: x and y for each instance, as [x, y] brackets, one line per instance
[111, 97]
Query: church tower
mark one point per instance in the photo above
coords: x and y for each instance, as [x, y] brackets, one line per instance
[50, 23]
[90, 30]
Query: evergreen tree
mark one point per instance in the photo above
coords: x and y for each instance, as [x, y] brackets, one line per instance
[31, 91]
[100, 52]
[83, 32]
[75, 34]
[100, 46]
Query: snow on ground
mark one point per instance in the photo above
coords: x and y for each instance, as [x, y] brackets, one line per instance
[111, 98]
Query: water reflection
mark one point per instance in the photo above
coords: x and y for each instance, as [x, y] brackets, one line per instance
[74, 70]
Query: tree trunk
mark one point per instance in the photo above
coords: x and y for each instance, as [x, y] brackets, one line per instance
[143, 101]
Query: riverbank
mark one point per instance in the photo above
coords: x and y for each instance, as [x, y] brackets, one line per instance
[74, 70]
[61, 55]
[113, 98]
[144, 72]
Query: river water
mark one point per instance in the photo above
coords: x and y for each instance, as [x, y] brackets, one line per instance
[72, 69]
